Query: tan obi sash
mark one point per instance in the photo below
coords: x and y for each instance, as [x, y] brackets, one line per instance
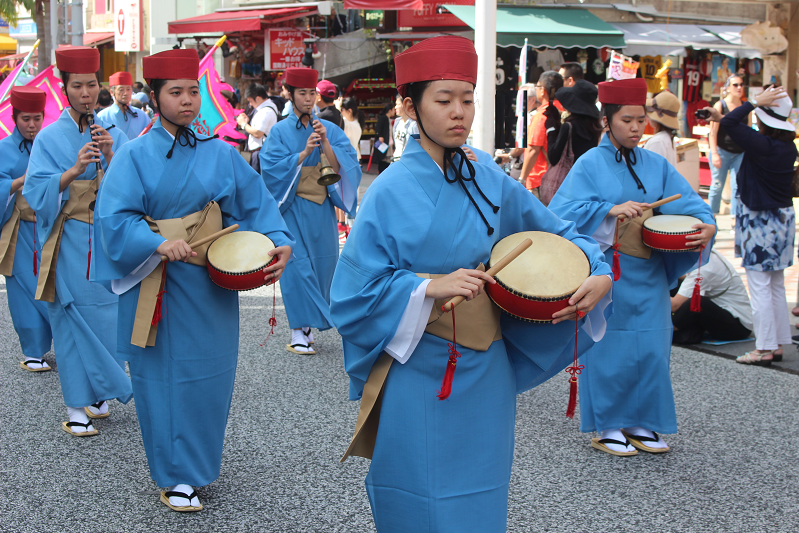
[630, 240]
[308, 188]
[189, 228]
[81, 194]
[8, 239]
[478, 327]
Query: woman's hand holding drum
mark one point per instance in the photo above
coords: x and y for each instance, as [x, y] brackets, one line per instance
[275, 270]
[592, 290]
[706, 233]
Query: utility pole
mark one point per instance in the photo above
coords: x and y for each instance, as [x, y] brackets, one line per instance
[76, 23]
[485, 42]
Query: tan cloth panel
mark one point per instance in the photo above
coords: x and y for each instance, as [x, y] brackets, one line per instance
[8, 236]
[189, 228]
[81, 194]
[630, 240]
[308, 188]
[477, 327]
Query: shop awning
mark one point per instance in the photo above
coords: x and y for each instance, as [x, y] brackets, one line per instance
[237, 21]
[658, 39]
[96, 39]
[568, 28]
[383, 4]
[7, 44]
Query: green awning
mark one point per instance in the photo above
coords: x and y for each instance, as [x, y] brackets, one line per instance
[568, 28]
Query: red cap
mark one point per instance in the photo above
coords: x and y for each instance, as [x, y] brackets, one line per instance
[301, 78]
[623, 92]
[120, 78]
[28, 99]
[180, 64]
[77, 59]
[326, 88]
[439, 58]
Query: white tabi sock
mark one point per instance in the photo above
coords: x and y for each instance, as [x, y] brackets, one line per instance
[101, 411]
[77, 414]
[177, 501]
[308, 335]
[638, 431]
[616, 434]
[37, 365]
[298, 337]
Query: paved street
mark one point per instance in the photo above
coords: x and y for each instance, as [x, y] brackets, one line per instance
[733, 465]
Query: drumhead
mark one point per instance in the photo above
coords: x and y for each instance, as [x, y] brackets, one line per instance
[240, 251]
[552, 267]
[671, 223]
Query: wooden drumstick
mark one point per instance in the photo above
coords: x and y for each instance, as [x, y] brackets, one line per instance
[653, 205]
[494, 270]
[212, 237]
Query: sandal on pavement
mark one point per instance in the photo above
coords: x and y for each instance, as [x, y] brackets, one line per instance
[776, 355]
[97, 407]
[308, 335]
[756, 358]
[300, 348]
[638, 442]
[67, 426]
[600, 444]
[166, 494]
[43, 366]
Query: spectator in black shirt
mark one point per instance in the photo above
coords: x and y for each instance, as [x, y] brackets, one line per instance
[384, 134]
[584, 126]
[327, 93]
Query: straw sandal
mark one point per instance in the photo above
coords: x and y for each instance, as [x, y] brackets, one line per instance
[24, 365]
[756, 358]
[600, 444]
[165, 495]
[97, 406]
[67, 426]
[638, 442]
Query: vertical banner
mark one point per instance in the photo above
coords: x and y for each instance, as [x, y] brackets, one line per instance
[127, 26]
[283, 48]
[622, 67]
[56, 102]
[521, 119]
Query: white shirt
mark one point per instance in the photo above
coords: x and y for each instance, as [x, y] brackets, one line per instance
[663, 144]
[262, 120]
[723, 285]
[402, 130]
[352, 129]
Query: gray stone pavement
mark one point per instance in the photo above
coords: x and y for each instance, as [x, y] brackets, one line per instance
[733, 467]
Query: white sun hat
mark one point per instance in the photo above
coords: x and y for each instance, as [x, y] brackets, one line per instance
[777, 116]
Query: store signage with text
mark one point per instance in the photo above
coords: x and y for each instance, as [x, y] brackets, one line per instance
[429, 16]
[127, 26]
[283, 49]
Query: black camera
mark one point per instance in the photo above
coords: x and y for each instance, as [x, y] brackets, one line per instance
[702, 114]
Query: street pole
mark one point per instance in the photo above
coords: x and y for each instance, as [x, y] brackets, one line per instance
[485, 42]
[76, 15]
[54, 42]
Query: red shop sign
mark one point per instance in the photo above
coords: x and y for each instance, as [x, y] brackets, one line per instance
[284, 49]
[429, 17]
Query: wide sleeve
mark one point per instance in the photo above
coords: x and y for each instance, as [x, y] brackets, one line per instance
[49, 159]
[6, 178]
[344, 194]
[369, 294]
[280, 165]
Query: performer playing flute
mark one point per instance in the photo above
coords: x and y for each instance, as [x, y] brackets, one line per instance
[61, 187]
[625, 388]
[131, 121]
[179, 331]
[444, 465]
[290, 166]
[18, 260]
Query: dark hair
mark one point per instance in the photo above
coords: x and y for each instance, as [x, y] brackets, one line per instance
[777, 134]
[16, 112]
[572, 70]
[136, 103]
[591, 125]
[350, 103]
[551, 81]
[146, 89]
[256, 90]
[155, 87]
[290, 89]
[387, 108]
[415, 93]
[65, 78]
[139, 86]
[608, 110]
[104, 99]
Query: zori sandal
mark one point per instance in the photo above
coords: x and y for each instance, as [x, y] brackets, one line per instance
[67, 426]
[639, 441]
[43, 366]
[600, 444]
[165, 495]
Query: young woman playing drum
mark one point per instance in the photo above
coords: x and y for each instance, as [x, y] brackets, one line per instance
[425, 225]
[625, 387]
[177, 329]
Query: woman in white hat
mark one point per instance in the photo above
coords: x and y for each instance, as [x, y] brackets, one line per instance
[661, 113]
[765, 220]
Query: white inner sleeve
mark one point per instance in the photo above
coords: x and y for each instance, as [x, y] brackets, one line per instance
[285, 196]
[121, 286]
[412, 324]
[605, 232]
[595, 324]
[10, 196]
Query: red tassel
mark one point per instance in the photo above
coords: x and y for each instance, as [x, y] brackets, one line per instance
[159, 303]
[616, 265]
[273, 320]
[89, 262]
[35, 265]
[452, 362]
[575, 370]
[696, 297]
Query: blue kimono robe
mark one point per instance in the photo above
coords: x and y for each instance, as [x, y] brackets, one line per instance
[442, 466]
[30, 317]
[84, 314]
[183, 384]
[306, 283]
[626, 379]
[130, 124]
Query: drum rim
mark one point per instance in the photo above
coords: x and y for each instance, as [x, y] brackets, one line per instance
[691, 231]
[228, 273]
[515, 292]
[217, 269]
[517, 317]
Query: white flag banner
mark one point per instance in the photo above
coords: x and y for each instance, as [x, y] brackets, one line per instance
[520, 97]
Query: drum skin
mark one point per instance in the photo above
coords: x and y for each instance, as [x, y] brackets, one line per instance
[236, 261]
[666, 233]
[541, 280]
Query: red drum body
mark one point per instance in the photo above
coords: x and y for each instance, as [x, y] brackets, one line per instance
[666, 233]
[541, 280]
[236, 261]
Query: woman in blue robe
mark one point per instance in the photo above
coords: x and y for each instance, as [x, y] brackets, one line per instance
[294, 144]
[82, 314]
[183, 383]
[30, 318]
[626, 392]
[445, 466]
